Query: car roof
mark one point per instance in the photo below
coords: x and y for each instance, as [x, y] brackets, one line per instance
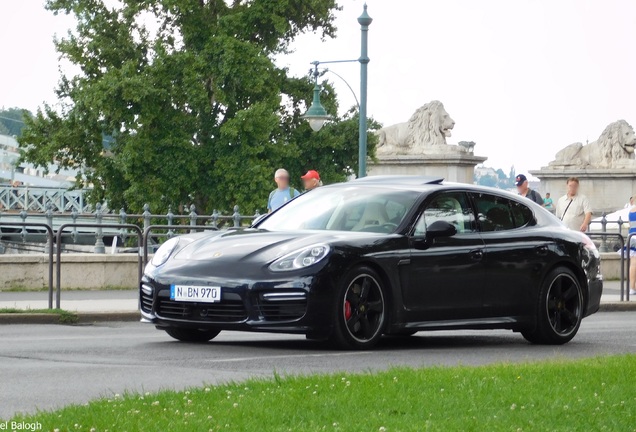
[391, 180]
[424, 184]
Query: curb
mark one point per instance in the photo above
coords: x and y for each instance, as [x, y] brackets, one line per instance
[82, 317]
[625, 306]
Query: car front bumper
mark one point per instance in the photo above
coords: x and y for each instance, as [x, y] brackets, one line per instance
[287, 306]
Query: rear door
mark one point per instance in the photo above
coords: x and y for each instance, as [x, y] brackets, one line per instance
[444, 276]
[516, 254]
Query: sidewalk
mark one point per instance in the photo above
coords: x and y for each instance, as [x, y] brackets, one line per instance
[125, 302]
[74, 301]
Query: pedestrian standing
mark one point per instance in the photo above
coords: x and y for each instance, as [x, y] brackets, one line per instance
[574, 208]
[311, 180]
[521, 181]
[282, 193]
[548, 203]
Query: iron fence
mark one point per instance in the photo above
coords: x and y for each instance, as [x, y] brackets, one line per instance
[28, 198]
[117, 225]
[102, 218]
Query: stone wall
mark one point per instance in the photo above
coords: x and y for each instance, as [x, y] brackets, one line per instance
[607, 190]
[454, 167]
[87, 271]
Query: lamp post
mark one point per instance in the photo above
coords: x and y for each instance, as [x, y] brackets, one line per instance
[317, 115]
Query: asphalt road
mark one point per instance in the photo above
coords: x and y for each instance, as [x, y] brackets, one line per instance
[48, 366]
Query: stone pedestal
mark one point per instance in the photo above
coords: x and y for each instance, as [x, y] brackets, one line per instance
[454, 167]
[607, 189]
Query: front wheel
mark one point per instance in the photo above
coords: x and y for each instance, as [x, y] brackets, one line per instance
[360, 310]
[192, 335]
[560, 309]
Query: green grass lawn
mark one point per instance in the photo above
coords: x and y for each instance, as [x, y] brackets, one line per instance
[596, 394]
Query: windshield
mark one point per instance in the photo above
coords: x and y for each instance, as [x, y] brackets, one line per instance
[355, 208]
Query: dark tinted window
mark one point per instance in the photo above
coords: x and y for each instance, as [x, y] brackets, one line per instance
[496, 213]
[451, 207]
[522, 214]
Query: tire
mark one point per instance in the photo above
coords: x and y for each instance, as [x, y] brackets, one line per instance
[192, 335]
[559, 310]
[360, 311]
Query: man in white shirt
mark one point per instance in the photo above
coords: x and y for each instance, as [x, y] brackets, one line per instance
[574, 208]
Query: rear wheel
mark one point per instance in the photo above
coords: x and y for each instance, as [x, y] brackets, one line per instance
[559, 310]
[192, 335]
[360, 310]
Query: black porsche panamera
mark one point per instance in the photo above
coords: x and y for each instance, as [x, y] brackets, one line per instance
[379, 256]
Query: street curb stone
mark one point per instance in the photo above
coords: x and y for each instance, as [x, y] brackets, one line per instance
[618, 306]
[82, 317]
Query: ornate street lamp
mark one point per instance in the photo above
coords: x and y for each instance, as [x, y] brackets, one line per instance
[317, 115]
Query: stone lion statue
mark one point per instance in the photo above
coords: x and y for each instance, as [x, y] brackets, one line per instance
[613, 149]
[425, 132]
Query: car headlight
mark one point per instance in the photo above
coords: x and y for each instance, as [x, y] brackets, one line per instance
[300, 258]
[164, 251]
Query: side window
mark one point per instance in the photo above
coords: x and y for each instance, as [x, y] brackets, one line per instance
[451, 207]
[522, 215]
[496, 213]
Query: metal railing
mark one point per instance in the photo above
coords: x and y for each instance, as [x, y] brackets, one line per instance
[49, 234]
[629, 258]
[28, 198]
[604, 222]
[101, 225]
[100, 217]
[621, 239]
[58, 247]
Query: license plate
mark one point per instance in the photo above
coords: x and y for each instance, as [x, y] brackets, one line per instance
[192, 293]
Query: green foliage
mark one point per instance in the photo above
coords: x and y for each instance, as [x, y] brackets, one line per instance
[190, 102]
[12, 120]
[584, 395]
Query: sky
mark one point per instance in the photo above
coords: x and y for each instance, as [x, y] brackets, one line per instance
[521, 78]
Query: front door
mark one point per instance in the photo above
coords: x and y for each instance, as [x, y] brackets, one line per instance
[444, 278]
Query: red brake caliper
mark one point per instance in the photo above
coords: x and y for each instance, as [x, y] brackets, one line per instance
[347, 309]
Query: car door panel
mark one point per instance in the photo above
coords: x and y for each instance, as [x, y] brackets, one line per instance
[444, 277]
[516, 254]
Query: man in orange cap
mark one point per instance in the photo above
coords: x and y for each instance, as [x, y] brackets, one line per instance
[311, 180]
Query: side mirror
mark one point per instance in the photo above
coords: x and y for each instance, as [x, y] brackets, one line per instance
[435, 230]
[441, 228]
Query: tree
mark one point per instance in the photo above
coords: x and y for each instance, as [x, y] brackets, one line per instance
[179, 102]
[12, 120]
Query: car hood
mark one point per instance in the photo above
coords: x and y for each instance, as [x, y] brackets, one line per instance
[260, 246]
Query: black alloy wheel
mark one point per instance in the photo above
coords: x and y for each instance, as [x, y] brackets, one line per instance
[360, 314]
[560, 309]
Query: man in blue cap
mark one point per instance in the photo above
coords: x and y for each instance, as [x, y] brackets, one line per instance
[522, 188]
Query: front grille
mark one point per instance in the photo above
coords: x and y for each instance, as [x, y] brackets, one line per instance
[224, 311]
[282, 307]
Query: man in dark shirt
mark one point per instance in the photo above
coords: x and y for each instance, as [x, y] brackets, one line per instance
[522, 187]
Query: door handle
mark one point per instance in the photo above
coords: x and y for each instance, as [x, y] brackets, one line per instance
[541, 250]
[477, 255]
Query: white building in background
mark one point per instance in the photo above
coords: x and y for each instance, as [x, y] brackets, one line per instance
[481, 171]
[27, 174]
